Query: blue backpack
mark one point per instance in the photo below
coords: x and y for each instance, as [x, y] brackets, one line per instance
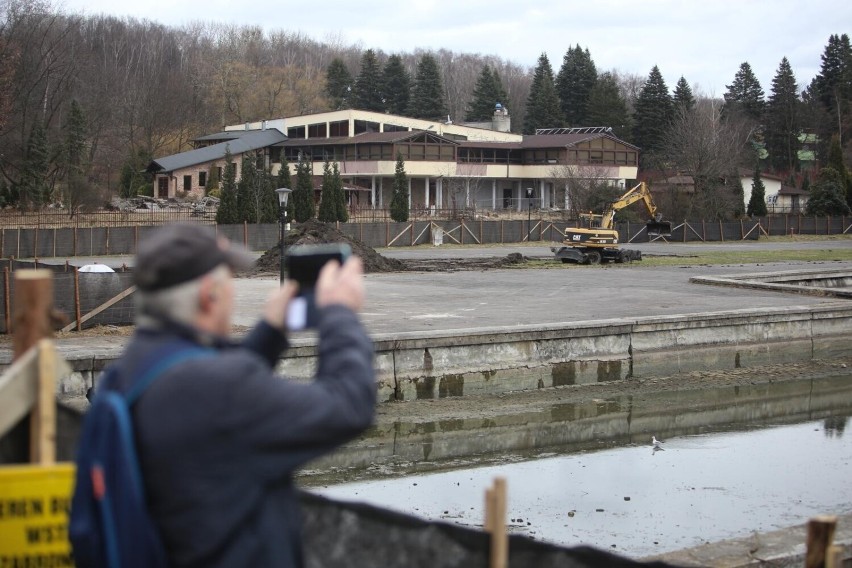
[110, 525]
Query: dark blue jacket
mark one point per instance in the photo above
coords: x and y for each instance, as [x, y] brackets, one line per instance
[220, 437]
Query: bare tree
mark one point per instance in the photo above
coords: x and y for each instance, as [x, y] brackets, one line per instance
[582, 188]
[709, 148]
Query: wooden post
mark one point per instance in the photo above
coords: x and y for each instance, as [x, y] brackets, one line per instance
[820, 537]
[33, 303]
[77, 299]
[245, 234]
[7, 299]
[501, 231]
[495, 523]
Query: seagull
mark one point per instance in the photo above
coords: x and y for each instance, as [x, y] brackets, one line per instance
[656, 443]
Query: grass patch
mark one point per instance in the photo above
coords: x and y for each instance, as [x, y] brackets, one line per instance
[719, 257]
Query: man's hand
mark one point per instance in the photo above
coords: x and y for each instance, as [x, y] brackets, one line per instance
[275, 311]
[341, 284]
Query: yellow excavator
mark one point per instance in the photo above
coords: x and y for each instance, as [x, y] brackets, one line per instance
[599, 242]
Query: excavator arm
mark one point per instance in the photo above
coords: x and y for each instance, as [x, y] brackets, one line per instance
[640, 192]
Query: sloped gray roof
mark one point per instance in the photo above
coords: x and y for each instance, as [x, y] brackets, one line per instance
[247, 143]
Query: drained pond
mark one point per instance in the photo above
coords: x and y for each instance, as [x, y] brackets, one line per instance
[738, 464]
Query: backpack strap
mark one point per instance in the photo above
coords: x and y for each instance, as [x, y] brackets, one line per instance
[168, 356]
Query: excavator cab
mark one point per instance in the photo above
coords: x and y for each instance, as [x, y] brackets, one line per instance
[658, 228]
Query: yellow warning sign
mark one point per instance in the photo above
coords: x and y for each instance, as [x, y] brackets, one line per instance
[34, 506]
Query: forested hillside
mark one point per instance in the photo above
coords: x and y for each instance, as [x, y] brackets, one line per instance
[87, 101]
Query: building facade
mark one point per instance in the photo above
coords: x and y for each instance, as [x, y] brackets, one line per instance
[449, 166]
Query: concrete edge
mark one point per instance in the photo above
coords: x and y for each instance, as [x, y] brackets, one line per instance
[779, 548]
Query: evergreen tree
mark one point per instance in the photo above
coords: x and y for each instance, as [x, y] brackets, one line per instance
[342, 212]
[653, 115]
[683, 95]
[75, 153]
[228, 213]
[34, 189]
[486, 94]
[833, 85]
[399, 201]
[283, 180]
[303, 194]
[133, 180]
[745, 95]
[367, 92]
[827, 197]
[543, 110]
[427, 94]
[396, 86]
[338, 84]
[757, 202]
[782, 126]
[608, 108]
[328, 201]
[248, 192]
[268, 198]
[574, 84]
[836, 162]
[212, 186]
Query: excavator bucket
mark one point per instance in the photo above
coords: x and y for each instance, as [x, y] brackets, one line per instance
[659, 228]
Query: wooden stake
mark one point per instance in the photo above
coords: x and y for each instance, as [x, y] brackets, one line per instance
[820, 537]
[43, 417]
[495, 523]
[33, 304]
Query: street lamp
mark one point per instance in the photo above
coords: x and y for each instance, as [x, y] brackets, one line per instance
[283, 194]
[529, 213]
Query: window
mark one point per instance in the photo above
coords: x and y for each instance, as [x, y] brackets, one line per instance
[296, 132]
[187, 183]
[317, 130]
[362, 126]
[339, 128]
[394, 128]
[202, 179]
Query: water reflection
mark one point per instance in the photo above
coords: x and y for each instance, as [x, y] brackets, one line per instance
[406, 447]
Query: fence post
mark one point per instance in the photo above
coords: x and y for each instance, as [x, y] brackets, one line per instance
[107, 240]
[387, 232]
[7, 299]
[721, 231]
[501, 231]
[33, 303]
[245, 234]
[461, 232]
[77, 313]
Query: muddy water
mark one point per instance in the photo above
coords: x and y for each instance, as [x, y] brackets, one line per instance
[727, 481]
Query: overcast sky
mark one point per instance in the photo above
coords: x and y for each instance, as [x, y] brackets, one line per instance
[705, 41]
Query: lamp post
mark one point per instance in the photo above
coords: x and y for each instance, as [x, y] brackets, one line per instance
[529, 213]
[283, 194]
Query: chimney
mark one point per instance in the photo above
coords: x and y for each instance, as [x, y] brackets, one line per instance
[501, 122]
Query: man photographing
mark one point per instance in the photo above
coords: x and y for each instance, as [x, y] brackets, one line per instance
[219, 435]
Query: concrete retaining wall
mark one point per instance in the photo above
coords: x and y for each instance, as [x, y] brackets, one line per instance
[496, 360]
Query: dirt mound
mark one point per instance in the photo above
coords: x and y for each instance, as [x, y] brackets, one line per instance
[316, 232]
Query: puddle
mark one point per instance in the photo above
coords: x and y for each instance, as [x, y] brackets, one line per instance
[639, 502]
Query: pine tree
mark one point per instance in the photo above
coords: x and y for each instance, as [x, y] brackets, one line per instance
[653, 115]
[328, 199]
[833, 85]
[745, 95]
[757, 202]
[34, 189]
[485, 97]
[427, 94]
[228, 213]
[396, 86]
[303, 195]
[827, 197]
[248, 191]
[399, 201]
[782, 125]
[212, 186]
[683, 95]
[574, 84]
[268, 198]
[835, 161]
[338, 84]
[132, 180]
[367, 92]
[75, 152]
[342, 212]
[608, 108]
[543, 110]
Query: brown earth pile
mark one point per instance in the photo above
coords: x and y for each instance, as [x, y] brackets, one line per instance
[316, 232]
